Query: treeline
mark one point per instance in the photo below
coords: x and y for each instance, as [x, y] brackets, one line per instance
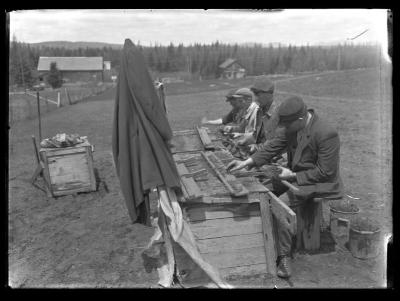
[203, 60]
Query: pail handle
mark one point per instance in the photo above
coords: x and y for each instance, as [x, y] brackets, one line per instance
[344, 222]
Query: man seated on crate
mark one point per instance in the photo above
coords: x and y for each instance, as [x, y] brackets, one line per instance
[313, 148]
[234, 116]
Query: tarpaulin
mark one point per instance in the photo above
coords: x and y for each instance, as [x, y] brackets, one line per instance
[175, 233]
[141, 132]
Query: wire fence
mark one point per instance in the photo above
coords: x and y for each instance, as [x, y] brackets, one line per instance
[23, 104]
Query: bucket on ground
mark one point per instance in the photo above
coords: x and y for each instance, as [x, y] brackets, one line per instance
[341, 214]
[364, 238]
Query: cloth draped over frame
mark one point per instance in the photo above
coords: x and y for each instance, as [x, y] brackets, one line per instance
[143, 160]
[141, 133]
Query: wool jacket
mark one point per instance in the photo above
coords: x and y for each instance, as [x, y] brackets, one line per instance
[141, 131]
[313, 154]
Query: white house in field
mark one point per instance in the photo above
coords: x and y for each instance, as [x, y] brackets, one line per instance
[232, 69]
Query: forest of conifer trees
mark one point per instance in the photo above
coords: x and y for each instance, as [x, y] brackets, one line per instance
[203, 60]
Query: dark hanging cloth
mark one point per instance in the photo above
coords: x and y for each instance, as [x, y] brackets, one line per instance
[141, 132]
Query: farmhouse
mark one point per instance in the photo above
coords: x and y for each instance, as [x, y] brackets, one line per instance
[232, 69]
[74, 69]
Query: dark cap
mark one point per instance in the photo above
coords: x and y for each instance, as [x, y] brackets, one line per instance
[243, 93]
[291, 109]
[229, 95]
[263, 83]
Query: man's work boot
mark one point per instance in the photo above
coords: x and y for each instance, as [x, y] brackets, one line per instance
[284, 267]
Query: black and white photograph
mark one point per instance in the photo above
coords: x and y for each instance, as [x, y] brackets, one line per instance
[199, 148]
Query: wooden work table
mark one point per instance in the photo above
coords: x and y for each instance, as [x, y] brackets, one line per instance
[235, 234]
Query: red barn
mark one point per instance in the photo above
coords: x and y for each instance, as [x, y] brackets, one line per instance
[74, 69]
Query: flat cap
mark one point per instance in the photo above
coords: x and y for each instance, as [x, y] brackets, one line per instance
[263, 83]
[243, 92]
[230, 94]
[291, 109]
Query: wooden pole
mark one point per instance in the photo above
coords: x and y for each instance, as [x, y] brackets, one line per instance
[58, 99]
[40, 122]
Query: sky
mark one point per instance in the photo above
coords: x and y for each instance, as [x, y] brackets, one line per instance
[290, 26]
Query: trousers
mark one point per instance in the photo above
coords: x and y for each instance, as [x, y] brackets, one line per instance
[284, 237]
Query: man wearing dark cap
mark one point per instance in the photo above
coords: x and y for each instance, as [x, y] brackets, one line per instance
[313, 148]
[233, 116]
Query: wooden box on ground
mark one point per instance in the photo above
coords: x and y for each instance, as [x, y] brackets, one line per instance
[69, 170]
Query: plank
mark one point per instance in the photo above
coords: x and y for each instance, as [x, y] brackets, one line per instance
[226, 227]
[205, 139]
[227, 200]
[234, 187]
[89, 159]
[309, 216]
[252, 269]
[191, 187]
[268, 234]
[234, 258]
[182, 170]
[283, 213]
[228, 243]
[222, 211]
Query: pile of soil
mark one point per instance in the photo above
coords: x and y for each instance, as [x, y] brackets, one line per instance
[365, 223]
[344, 206]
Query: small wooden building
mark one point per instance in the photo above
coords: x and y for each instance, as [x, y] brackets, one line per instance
[232, 69]
[75, 69]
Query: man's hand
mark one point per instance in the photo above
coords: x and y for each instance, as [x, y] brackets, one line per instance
[237, 135]
[286, 174]
[236, 164]
[246, 139]
[252, 148]
[227, 128]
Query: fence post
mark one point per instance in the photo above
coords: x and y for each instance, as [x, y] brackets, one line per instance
[58, 99]
[40, 124]
[69, 99]
[47, 104]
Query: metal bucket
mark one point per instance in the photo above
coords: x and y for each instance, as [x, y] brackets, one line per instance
[364, 244]
[340, 224]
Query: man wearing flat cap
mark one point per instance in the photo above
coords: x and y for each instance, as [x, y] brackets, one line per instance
[247, 122]
[313, 148]
[263, 90]
[234, 116]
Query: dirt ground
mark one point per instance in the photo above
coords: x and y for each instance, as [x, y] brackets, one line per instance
[88, 240]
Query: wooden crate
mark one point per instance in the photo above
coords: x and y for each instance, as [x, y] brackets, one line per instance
[69, 170]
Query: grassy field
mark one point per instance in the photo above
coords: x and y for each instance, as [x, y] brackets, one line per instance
[88, 240]
[24, 106]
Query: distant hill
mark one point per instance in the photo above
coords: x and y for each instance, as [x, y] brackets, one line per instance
[75, 45]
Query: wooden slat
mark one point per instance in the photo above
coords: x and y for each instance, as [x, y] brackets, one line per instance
[253, 269]
[205, 139]
[236, 258]
[192, 188]
[222, 211]
[228, 180]
[91, 168]
[268, 234]
[226, 227]
[182, 170]
[224, 200]
[228, 243]
[283, 213]
[63, 151]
